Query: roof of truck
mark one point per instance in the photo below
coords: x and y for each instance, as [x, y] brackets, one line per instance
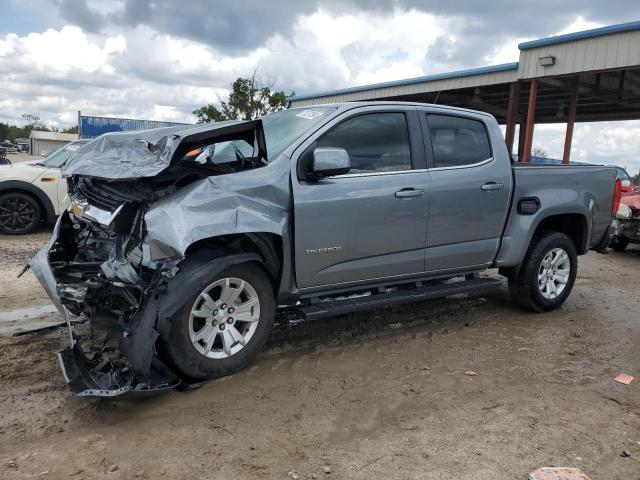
[377, 103]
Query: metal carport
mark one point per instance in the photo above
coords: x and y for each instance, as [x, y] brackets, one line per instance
[587, 76]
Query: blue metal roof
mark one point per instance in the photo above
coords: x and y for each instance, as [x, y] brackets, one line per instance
[596, 32]
[429, 78]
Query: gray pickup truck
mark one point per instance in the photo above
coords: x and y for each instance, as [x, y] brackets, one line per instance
[182, 245]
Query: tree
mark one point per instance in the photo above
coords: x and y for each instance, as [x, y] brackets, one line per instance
[209, 113]
[11, 132]
[34, 122]
[539, 152]
[248, 99]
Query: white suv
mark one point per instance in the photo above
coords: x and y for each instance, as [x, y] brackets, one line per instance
[33, 191]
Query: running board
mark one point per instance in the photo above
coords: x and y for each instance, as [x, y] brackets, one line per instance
[331, 308]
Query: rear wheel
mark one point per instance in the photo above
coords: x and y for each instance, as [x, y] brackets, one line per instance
[224, 325]
[19, 213]
[546, 277]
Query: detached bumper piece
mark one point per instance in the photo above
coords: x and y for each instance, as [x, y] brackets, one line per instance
[106, 379]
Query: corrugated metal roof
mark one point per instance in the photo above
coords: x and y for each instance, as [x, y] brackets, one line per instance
[595, 32]
[62, 137]
[429, 78]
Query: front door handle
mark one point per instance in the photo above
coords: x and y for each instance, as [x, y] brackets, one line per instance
[409, 192]
[492, 186]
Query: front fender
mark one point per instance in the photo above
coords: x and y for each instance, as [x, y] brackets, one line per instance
[250, 201]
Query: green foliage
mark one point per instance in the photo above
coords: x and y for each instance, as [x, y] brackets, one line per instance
[539, 152]
[11, 132]
[209, 113]
[248, 100]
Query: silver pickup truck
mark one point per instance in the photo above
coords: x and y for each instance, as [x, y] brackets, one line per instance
[183, 245]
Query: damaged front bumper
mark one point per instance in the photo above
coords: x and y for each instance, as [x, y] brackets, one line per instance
[105, 282]
[102, 378]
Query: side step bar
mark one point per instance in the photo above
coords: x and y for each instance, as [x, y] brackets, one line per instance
[331, 308]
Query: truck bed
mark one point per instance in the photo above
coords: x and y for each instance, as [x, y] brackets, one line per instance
[582, 190]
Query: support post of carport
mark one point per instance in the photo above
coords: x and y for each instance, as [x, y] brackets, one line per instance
[512, 115]
[521, 139]
[531, 115]
[570, 121]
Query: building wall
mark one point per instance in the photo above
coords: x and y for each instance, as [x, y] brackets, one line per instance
[40, 146]
[621, 50]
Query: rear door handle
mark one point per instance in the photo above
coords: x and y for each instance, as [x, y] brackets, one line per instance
[492, 186]
[409, 192]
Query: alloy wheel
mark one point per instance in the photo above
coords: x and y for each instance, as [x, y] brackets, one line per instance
[224, 317]
[553, 274]
[18, 214]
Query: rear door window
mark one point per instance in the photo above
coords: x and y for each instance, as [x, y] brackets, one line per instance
[458, 141]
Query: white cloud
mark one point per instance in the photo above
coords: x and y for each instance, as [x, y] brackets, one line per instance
[139, 72]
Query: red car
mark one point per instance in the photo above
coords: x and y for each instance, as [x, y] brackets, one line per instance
[628, 216]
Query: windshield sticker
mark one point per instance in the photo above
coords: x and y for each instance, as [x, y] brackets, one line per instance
[73, 148]
[310, 114]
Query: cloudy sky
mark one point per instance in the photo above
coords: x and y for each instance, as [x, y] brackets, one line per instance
[161, 59]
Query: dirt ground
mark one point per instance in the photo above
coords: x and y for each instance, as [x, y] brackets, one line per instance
[463, 388]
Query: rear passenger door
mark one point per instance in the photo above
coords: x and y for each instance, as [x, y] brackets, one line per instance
[470, 191]
[369, 224]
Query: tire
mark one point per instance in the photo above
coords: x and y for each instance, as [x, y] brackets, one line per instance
[620, 244]
[191, 359]
[20, 213]
[527, 286]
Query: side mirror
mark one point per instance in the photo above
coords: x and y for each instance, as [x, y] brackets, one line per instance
[330, 161]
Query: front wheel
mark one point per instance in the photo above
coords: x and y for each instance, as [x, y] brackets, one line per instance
[223, 327]
[546, 277]
[19, 213]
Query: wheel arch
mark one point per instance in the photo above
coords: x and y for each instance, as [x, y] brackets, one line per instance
[573, 225]
[267, 246]
[27, 188]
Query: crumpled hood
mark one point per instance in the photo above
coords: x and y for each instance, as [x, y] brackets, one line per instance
[146, 153]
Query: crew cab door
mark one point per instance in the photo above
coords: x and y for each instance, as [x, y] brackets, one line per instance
[471, 183]
[369, 224]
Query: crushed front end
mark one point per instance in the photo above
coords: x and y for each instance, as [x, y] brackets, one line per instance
[138, 200]
[102, 272]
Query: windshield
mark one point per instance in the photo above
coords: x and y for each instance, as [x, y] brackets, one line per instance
[57, 158]
[280, 130]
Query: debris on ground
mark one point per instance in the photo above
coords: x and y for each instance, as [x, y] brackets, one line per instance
[558, 473]
[625, 454]
[327, 470]
[395, 326]
[470, 373]
[624, 378]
